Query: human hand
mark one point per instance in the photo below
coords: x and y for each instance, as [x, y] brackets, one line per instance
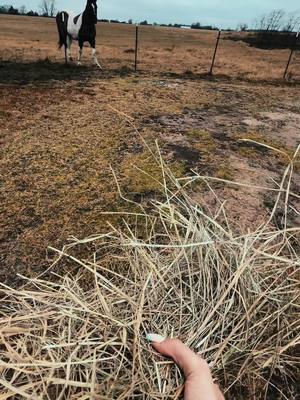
[199, 384]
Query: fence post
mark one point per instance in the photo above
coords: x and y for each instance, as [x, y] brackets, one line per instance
[136, 47]
[291, 55]
[215, 53]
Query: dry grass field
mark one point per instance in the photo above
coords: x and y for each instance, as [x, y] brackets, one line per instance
[161, 49]
[63, 130]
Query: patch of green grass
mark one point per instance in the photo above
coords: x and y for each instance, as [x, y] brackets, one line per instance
[224, 172]
[247, 152]
[142, 172]
[202, 140]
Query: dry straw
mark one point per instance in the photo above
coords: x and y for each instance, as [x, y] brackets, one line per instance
[174, 269]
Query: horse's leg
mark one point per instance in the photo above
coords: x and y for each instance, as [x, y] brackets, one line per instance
[66, 55]
[94, 56]
[80, 44]
[69, 43]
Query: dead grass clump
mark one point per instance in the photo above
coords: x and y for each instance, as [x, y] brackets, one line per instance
[232, 297]
[129, 51]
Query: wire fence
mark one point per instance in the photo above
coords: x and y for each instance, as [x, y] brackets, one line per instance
[195, 51]
[155, 49]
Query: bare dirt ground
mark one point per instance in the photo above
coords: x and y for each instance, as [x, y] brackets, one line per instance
[63, 128]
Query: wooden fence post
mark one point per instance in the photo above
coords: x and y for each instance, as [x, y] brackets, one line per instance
[291, 55]
[215, 53]
[136, 47]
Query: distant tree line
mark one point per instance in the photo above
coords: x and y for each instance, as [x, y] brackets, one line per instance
[7, 9]
[144, 22]
[47, 9]
[198, 25]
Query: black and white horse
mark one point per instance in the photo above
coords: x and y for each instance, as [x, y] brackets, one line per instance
[81, 28]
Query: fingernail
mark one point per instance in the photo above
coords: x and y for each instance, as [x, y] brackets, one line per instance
[154, 338]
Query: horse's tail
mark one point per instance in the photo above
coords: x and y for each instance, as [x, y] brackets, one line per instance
[62, 27]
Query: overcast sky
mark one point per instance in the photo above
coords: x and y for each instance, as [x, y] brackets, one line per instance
[222, 13]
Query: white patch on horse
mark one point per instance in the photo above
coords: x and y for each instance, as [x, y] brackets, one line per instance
[74, 28]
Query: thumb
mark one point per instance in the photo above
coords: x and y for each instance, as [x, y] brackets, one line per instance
[199, 383]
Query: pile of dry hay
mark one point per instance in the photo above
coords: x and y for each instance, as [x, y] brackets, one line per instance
[178, 271]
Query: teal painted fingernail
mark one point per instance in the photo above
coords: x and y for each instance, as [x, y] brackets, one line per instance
[154, 338]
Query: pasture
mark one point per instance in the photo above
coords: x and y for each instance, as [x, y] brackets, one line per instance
[68, 134]
[63, 128]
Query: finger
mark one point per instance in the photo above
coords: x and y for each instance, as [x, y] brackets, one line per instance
[219, 395]
[184, 357]
[199, 383]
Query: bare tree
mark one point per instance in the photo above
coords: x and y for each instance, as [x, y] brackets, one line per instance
[292, 22]
[276, 20]
[260, 23]
[242, 27]
[48, 8]
[273, 21]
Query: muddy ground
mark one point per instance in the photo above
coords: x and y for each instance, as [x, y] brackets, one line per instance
[63, 130]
